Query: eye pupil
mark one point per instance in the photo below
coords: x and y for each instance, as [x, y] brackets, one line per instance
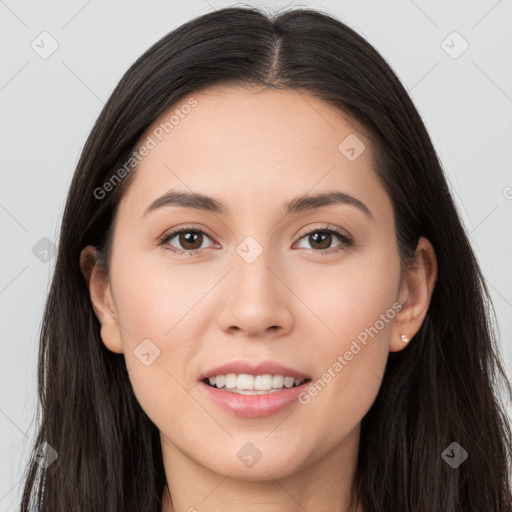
[324, 236]
[186, 238]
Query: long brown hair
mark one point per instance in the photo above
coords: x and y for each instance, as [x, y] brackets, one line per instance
[443, 388]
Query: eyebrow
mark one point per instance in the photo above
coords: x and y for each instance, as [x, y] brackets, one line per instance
[206, 203]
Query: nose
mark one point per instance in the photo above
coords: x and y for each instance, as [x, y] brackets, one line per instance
[257, 301]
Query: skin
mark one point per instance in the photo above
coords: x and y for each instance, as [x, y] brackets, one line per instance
[240, 146]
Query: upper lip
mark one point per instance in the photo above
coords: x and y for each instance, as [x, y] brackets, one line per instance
[250, 368]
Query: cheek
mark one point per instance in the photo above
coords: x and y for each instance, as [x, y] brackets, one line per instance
[356, 304]
[151, 294]
[152, 308]
[345, 300]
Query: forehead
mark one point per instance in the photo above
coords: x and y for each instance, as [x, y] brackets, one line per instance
[254, 148]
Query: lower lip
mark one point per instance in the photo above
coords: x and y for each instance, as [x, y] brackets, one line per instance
[253, 406]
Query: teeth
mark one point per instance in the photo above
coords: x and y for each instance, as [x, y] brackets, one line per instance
[261, 382]
[277, 381]
[219, 381]
[230, 381]
[289, 382]
[249, 384]
[252, 391]
[245, 381]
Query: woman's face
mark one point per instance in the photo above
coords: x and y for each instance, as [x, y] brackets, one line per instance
[260, 286]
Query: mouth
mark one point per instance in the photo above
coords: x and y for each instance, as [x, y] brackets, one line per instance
[238, 394]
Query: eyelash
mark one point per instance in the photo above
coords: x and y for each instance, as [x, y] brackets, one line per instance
[347, 241]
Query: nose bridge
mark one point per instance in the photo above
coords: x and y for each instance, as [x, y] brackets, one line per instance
[255, 298]
[252, 263]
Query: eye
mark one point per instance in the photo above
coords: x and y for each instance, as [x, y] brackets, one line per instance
[190, 239]
[321, 239]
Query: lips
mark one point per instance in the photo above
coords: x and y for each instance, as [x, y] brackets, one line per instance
[253, 406]
[247, 367]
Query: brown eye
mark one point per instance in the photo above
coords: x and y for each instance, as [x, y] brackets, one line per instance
[188, 240]
[320, 240]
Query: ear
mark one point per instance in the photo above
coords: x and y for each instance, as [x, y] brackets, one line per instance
[415, 294]
[101, 298]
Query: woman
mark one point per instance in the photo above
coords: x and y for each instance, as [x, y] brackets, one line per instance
[264, 298]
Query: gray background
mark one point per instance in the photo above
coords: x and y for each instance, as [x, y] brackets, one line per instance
[48, 106]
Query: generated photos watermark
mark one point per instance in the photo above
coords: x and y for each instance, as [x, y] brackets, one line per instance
[342, 360]
[145, 148]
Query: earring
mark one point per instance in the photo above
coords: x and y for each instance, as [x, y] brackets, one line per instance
[404, 338]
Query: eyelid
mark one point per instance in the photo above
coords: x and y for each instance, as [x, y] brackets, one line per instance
[176, 231]
[183, 227]
[347, 240]
[323, 227]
